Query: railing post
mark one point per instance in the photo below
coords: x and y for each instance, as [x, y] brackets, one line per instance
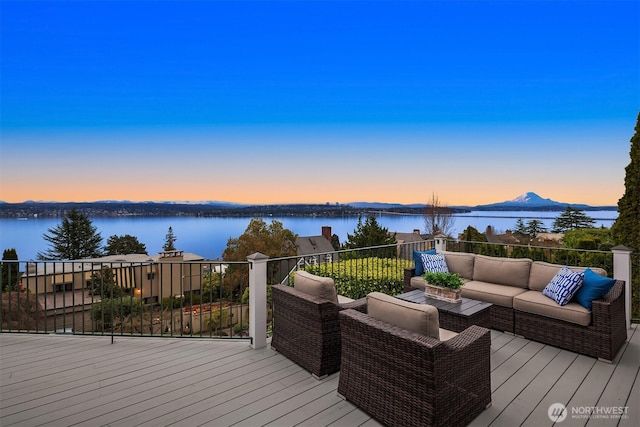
[622, 271]
[258, 299]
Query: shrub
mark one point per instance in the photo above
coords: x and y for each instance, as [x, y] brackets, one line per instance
[240, 327]
[108, 310]
[175, 301]
[355, 278]
[21, 311]
[219, 318]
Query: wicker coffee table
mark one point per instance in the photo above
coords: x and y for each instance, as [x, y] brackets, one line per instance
[454, 316]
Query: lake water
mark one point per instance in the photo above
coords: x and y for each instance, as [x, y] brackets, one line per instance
[208, 236]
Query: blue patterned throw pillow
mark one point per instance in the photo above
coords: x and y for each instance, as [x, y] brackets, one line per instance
[435, 263]
[564, 285]
[417, 260]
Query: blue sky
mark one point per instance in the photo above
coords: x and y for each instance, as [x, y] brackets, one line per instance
[317, 101]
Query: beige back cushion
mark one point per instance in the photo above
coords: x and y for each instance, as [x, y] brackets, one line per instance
[461, 263]
[420, 318]
[543, 272]
[317, 286]
[502, 271]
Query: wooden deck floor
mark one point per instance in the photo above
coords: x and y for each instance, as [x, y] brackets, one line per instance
[59, 380]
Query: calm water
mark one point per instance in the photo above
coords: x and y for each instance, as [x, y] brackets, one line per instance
[208, 236]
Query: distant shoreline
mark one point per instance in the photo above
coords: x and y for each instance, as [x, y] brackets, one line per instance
[112, 210]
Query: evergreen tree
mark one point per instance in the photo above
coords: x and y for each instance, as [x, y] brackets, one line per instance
[74, 238]
[370, 233]
[10, 270]
[626, 229]
[169, 241]
[122, 245]
[520, 228]
[471, 234]
[572, 219]
[335, 242]
[534, 227]
[103, 283]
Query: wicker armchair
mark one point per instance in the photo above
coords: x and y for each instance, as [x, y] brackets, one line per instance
[405, 378]
[306, 329]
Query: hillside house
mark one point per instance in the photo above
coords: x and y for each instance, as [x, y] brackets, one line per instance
[165, 274]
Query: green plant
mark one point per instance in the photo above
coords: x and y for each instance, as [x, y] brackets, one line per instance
[103, 283]
[444, 280]
[108, 310]
[219, 318]
[355, 278]
[240, 327]
[176, 301]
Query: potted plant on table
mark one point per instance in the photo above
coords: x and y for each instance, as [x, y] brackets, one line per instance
[443, 286]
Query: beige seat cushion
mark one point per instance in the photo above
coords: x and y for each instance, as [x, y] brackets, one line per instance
[490, 292]
[343, 300]
[502, 271]
[543, 272]
[446, 335]
[317, 286]
[461, 263]
[419, 282]
[420, 318]
[535, 302]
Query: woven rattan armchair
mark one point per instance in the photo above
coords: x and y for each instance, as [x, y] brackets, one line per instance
[403, 378]
[306, 329]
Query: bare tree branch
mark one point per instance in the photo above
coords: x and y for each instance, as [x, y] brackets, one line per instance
[438, 219]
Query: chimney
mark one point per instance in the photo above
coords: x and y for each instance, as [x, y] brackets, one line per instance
[326, 232]
[416, 231]
[171, 256]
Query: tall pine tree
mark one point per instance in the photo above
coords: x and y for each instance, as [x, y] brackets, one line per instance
[169, 241]
[10, 271]
[572, 219]
[626, 229]
[74, 238]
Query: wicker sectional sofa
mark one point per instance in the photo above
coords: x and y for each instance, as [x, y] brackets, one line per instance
[514, 287]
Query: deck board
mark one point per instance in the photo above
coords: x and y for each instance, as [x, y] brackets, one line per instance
[511, 389]
[521, 407]
[623, 377]
[632, 405]
[61, 380]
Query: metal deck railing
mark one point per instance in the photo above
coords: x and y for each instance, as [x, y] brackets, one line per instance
[211, 299]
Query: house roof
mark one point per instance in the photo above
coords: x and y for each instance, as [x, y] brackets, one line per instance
[41, 268]
[556, 237]
[407, 237]
[313, 244]
[493, 238]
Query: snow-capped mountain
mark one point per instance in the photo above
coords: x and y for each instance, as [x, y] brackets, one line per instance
[531, 200]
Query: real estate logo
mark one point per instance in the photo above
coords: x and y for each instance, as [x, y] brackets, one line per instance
[557, 412]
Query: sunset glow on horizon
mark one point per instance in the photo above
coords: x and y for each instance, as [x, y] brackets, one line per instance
[317, 102]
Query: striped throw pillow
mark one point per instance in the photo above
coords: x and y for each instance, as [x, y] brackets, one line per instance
[564, 285]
